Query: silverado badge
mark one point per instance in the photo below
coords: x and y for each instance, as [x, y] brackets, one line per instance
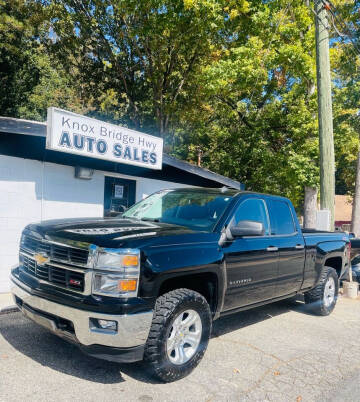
[41, 258]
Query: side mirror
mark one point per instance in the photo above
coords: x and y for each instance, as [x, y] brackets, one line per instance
[247, 228]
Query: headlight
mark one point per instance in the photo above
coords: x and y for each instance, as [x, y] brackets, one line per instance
[114, 285]
[123, 280]
[116, 260]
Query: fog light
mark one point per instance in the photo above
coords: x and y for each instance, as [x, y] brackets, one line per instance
[103, 325]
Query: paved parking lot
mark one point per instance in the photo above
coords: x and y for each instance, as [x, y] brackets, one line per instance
[275, 353]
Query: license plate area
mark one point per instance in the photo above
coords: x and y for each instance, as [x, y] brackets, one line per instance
[55, 324]
[39, 319]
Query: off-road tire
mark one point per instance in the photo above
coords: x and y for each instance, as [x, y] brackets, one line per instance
[315, 297]
[167, 308]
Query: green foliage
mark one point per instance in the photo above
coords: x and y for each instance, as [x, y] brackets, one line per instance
[144, 56]
[345, 62]
[233, 80]
[17, 71]
[30, 79]
[256, 115]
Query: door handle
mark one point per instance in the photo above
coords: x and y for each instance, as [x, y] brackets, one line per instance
[272, 248]
[299, 246]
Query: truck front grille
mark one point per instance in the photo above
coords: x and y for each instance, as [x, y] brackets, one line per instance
[66, 266]
[66, 278]
[55, 251]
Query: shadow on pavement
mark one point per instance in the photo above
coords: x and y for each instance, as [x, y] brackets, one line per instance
[236, 321]
[49, 350]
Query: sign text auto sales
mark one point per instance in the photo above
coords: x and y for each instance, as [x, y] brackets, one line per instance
[73, 133]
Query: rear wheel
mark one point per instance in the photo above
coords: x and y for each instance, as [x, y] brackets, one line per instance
[322, 299]
[179, 334]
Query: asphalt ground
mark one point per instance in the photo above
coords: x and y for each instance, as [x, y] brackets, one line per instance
[278, 352]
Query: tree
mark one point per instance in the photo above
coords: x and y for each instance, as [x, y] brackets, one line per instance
[30, 80]
[143, 56]
[310, 207]
[18, 73]
[232, 80]
[256, 114]
[345, 56]
[346, 94]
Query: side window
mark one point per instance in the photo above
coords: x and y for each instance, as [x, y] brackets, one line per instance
[253, 209]
[281, 218]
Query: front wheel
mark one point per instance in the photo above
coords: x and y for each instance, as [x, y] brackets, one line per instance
[179, 334]
[322, 299]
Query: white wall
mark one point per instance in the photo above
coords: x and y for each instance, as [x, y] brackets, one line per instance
[145, 187]
[64, 196]
[31, 191]
[20, 190]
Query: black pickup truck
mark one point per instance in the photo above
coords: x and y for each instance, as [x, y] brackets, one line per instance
[148, 285]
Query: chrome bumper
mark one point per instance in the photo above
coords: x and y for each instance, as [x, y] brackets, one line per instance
[132, 329]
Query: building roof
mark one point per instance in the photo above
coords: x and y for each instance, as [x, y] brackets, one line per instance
[343, 208]
[38, 129]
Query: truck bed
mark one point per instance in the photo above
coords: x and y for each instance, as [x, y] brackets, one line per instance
[312, 236]
[307, 231]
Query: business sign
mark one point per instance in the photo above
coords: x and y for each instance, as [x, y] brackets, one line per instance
[80, 135]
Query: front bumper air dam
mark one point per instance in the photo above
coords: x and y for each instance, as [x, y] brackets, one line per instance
[126, 345]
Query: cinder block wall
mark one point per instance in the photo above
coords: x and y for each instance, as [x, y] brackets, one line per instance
[31, 191]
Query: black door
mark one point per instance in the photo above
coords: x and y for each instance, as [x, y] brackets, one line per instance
[119, 194]
[251, 262]
[290, 242]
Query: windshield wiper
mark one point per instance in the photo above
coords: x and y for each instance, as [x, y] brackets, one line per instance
[150, 219]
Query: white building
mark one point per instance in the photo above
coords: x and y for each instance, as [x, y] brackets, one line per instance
[38, 184]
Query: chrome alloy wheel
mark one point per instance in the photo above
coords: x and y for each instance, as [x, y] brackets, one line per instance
[184, 337]
[329, 291]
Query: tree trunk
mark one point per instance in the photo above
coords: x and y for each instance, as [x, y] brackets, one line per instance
[355, 219]
[310, 207]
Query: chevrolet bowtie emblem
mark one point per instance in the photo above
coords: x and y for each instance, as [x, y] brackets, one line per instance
[41, 258]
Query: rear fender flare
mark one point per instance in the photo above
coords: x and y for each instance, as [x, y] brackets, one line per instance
[325, 251]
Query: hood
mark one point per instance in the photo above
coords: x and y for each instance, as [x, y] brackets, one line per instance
[105, 232]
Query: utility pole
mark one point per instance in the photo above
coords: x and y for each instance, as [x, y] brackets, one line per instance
[326, 138]
[355, 218]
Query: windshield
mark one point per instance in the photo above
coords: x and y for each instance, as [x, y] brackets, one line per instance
[196, 210]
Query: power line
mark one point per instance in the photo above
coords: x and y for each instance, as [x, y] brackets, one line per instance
[318, 19]
[330, 7]
[353, 48]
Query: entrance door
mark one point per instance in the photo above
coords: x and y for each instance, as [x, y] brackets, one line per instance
[119, 194]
